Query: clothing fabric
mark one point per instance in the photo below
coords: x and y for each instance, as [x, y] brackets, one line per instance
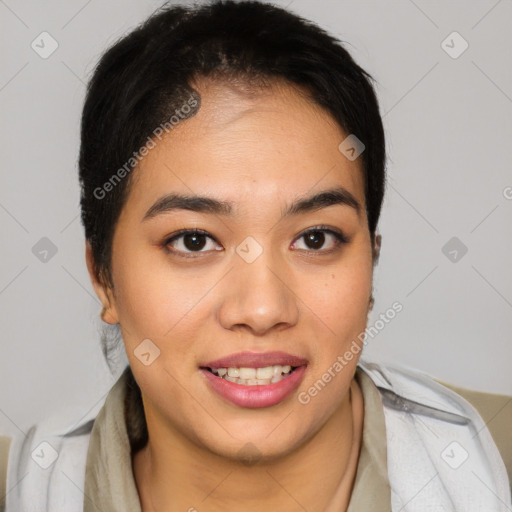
[423, 448]
[441, 456]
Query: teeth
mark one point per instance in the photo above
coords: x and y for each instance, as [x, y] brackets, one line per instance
[234, 372]
[265, 373]
[254, 376]
[256, 382]
[247, 373]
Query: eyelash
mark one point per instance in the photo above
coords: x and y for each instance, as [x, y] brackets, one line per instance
[340, 239]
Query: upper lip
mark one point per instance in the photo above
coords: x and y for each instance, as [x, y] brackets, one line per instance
[256, 360]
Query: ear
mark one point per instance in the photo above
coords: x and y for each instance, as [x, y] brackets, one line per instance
[376, 244]
[103, 291]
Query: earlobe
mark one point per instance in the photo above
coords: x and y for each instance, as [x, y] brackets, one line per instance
[107, 316]
[108, 313]
[376, 248]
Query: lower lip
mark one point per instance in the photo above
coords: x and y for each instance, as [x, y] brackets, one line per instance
[255, 396]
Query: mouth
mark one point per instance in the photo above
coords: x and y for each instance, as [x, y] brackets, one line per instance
[255, 380]
[245, 376]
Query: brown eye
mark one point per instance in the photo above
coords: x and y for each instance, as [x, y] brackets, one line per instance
[316, 238]
[194, 242]
[190, 241]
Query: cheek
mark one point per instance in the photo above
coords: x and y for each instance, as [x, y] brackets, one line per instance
[157, 300]
[341, 300]
[151, 298]
[340, 308]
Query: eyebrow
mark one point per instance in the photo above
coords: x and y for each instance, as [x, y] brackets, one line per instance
[202, 204]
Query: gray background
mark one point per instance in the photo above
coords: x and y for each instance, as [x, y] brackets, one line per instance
[449, 128]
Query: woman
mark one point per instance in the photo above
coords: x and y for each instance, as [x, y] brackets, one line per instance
[232, 167]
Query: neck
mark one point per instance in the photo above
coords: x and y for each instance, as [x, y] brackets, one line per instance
[186, 478]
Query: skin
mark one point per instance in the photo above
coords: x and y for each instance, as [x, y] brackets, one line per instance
[260, 151]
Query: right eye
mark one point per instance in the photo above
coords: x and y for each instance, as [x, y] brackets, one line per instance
[189, 241]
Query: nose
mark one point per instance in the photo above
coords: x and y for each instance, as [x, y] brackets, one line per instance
[258, 297]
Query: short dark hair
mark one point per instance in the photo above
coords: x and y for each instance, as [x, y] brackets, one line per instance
[145, 76]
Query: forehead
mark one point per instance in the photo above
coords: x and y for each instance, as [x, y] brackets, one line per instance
[254, 146]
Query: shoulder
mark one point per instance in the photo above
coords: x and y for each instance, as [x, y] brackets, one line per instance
[431, 427]
[53, 452]
[496, 412]
[5, 443]
[50, 455]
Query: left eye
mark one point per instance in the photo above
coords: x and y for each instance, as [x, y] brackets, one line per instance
[315, 239]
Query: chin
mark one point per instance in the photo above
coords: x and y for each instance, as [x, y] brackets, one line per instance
[264, 444]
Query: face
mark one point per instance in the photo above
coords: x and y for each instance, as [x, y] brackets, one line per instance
[279, 285]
